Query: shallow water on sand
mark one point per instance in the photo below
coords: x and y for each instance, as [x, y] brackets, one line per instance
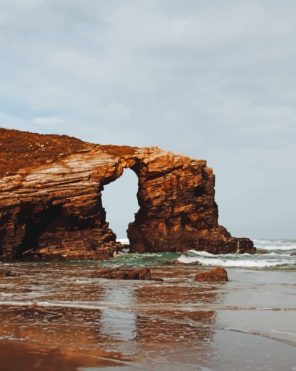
[57, 316]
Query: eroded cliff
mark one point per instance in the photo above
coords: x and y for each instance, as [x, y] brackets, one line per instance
[50, 199]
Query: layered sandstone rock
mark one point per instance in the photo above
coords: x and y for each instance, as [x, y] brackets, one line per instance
[50, 199]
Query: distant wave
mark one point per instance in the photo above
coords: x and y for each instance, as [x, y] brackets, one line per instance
[224, 262]
[266, 254]
[275, 254]
[261, 244]
[123, 241]
[271, 253]
[275, 244]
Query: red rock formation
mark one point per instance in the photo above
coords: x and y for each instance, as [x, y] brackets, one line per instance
[50, 199]
[124, 273]
[214, 275]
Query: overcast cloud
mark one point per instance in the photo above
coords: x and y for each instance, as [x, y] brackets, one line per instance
[212, 79]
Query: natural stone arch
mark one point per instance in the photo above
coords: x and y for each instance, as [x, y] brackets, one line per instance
[176, 196]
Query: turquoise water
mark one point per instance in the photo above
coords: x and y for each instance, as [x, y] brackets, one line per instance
[279, 254]
[143, 259]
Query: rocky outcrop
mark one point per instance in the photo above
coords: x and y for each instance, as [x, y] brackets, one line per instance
[50, 199]
[124, 273]
[217, 274]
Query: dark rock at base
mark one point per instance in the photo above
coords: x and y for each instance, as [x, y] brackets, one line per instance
[218, 274]
[109, 250]
[124, 273]
[32, 255]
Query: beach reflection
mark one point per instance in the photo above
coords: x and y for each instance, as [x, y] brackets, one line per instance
[115, 323]
[75, 316]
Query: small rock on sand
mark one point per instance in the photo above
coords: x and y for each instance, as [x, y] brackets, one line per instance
[218, 274]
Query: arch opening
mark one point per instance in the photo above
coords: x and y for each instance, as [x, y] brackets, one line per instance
[120, 202]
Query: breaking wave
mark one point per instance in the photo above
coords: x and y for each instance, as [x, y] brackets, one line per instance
[274, 254]
[275, 245]
[271, 254]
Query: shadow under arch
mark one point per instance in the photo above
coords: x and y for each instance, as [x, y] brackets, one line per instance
[120, 202]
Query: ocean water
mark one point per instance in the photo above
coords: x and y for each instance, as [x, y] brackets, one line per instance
[59, 316]
[276, 254]
[279, 254]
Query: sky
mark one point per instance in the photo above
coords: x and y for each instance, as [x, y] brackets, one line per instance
[210, 79]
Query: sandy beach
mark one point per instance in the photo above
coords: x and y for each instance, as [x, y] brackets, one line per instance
[57, 316]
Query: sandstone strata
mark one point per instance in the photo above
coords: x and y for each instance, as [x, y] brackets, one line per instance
[50, 199]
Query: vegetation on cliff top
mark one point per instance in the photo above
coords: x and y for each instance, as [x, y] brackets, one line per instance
[22, 149]
[19, 149]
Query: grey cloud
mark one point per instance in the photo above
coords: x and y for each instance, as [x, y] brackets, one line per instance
[210, 79]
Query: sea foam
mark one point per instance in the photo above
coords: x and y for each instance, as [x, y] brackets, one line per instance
[224, 262]
[275, 245]
[275, 254]
[123, 241]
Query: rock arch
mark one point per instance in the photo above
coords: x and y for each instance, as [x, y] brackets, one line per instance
[177, 208]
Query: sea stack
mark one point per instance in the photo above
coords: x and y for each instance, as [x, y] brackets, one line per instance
[51, 205]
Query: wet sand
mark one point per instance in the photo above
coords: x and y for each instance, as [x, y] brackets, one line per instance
[19, 355]
[58, 317]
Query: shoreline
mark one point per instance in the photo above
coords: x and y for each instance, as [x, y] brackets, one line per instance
[139, 324]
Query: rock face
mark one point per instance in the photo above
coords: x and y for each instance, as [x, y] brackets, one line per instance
[50, 199]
